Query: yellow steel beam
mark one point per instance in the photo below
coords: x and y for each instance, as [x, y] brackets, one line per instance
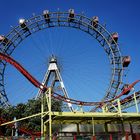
[86, 117]
[35, 115]
[94, 114]
[65, 116]
[136, 104]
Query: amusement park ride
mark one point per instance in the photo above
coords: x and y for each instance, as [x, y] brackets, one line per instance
[110, 110]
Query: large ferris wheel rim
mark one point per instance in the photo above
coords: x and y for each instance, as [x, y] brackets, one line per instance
[60, 19]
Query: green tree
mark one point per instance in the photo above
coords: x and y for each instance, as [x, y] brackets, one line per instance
[23, 110]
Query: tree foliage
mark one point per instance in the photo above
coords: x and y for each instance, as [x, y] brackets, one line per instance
[24, 110]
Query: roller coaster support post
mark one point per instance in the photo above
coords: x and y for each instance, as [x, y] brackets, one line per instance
[93, 129]
[119, 107]
[42, 121]
[46, 96]
[50, 117]
[136, 104]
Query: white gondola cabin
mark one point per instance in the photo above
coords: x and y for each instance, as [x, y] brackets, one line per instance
[46, 15]
[71, 15]
[22, 23]
[95, 21]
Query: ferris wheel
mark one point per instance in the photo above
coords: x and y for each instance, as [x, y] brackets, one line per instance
[33, 28]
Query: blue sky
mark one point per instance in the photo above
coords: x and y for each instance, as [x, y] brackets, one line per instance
[121, 16]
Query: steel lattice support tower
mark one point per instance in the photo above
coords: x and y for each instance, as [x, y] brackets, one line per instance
[52, 78]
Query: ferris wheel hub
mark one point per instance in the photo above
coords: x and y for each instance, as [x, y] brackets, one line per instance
[53, 59]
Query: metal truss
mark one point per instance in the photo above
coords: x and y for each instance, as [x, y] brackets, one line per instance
[78, 118]
[54, 80]
[129, 101]
[61, 19]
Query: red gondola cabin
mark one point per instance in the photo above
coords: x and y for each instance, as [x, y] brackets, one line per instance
[126, 61]
[115, 37]
[124, 88]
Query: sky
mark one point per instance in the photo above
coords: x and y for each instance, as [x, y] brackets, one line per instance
[79, 73]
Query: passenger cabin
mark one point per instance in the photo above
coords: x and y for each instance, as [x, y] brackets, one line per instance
[46, 15]
[4, 40]
[125, 88]
[71, 15]
[22, 23]
[126, 61]
[1, 38]
[115, 37]
[95, 21]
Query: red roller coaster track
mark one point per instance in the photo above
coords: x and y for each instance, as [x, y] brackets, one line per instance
[37, 84]
[22, 130]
